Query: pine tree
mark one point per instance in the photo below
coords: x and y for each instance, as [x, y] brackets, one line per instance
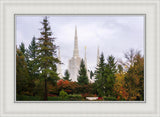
[120, 69]
[67, 75]
[110, 71]
[24, 51]
[32, 49]
[46, 56]
[31, 54]
[22, 48]
[21, 73]
[105, 77]
[91, 74]
[82, 78]
[100, 70]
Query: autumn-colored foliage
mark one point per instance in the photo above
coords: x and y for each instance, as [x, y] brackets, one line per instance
[67, 86]
[119, 89]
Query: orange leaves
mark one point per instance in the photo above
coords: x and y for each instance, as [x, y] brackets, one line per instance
[119, 87]
[62, 82]
[67, 86]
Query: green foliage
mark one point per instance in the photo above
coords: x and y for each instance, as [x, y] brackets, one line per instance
[82, 78]
[75, 97]
[110, 71]
[63, 94]
[46, 56]
[32, 49]
[91, 74]
[109, 98]
[120, 69]
[100, 76]
[67, 75]
[134, 78]
[105, 76]
[39, 87]
[22, 48]
[31, 62]
[21, 73]
[31, 55]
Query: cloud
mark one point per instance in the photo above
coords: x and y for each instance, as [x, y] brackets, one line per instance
[113, 34]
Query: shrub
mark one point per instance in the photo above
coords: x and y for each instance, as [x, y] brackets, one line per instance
[69, 87]
[75, 97]
[63, 94]
[74, 87]
[88, 95]
[109, 98]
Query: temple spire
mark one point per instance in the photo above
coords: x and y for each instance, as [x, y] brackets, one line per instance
[76, 51]
[85, 58]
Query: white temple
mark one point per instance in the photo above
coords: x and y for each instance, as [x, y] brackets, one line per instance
[74, 62]
[59, 70]
[98, 57]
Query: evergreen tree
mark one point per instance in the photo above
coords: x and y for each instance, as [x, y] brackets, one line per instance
[105, 77]
[31, 63]
[82, 78]
[24, 51]
[100, 70]
[91, 74]
[46, 56]
[66, 75]
[120, 69]
[31, 53]
[22, 48]
[32, 49]
[109, 75]
[21, 73]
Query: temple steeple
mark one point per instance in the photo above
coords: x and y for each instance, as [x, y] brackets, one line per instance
[76, 50]
[85, 58]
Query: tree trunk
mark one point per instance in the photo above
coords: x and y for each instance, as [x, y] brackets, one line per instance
[45, 90]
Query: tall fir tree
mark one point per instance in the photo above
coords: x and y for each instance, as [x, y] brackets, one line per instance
[82, 78]
[66, 75]
[110, 71]
[32, 48]
[22, 48]
[91, 74]
[21, 73]
[99, 76]
[105, 76]
[31, 53]
[46, 56]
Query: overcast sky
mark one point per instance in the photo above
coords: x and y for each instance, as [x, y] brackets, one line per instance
[112, 33]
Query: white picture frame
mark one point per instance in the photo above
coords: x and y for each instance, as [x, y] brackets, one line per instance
[149, 8]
